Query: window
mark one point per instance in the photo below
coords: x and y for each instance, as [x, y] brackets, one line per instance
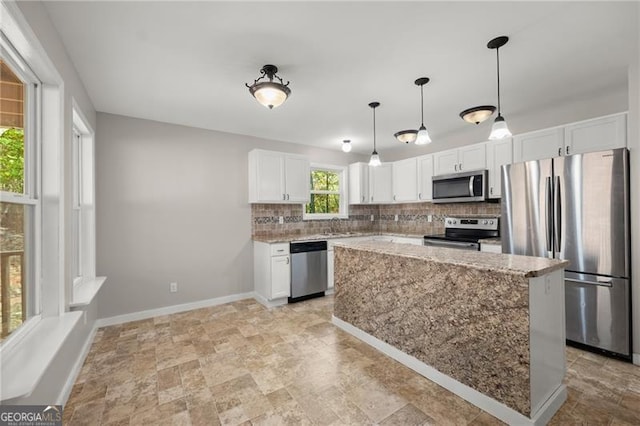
[83, 214]
[328, 193]
[19, 203]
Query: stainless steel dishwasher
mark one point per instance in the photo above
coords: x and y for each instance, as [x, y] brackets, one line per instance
[308, 270]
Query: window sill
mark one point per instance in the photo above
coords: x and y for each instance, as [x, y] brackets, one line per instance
[84, 292]
[23, 368]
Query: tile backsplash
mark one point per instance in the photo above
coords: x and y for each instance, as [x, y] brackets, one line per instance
[412, 218]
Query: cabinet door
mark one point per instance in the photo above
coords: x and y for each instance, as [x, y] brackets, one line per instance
[425, 175]
[380, 183]
[269, 179]
[472, 157]
[596, 135]
[330, 269]
[405, 180]
[298, 175]
[499, 152]
[280, 277]
[538, 145]
[445, 162]
[358, 183]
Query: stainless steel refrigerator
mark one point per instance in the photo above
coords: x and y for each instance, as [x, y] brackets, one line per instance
[577, 208]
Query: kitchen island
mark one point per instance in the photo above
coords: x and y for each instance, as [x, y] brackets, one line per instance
[488, 327]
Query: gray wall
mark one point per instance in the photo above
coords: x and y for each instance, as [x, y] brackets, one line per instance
[173, 207]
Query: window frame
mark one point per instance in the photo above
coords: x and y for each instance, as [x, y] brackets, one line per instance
[31, 189]
[342, 172]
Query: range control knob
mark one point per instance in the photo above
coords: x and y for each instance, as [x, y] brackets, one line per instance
[490, 222]
[453, 221]
[484, 222]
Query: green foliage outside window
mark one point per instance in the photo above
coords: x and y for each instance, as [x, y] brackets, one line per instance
[12, 161]
[325, 192]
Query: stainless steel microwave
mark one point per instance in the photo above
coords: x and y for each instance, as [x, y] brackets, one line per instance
[460, 187]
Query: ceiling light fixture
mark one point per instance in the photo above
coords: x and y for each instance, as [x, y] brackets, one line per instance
[406, 136]
[499, 130]
[269, 93]
[477, 114]
[375, 158]
[346, 145]
[423, 136]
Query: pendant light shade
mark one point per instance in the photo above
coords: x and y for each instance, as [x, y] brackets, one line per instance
[375, 158]
[346, 145]
[423, 137]
[477, 114]
[269, 93]
[499, 130]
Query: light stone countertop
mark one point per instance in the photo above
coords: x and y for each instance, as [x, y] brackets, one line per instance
[491, 241]
[525, 266]
[330, 236]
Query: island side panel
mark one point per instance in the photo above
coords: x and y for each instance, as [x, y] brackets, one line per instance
[469, 324]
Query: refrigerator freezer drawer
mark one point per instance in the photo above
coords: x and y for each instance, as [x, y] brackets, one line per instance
[598, 312]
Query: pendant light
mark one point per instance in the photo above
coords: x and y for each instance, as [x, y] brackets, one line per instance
[499, 130]
[375, 158]
[477, 114]
[406, 136]
[269, 93]
[346, 145]
[423, 136]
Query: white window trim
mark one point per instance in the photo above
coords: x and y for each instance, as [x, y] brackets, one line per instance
[344, 194]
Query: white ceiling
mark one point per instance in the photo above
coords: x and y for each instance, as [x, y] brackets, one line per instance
[187, 62]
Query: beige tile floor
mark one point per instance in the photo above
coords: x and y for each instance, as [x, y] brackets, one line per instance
[240, 363]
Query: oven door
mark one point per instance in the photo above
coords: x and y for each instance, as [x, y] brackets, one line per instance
[460, 187]
[463, 245]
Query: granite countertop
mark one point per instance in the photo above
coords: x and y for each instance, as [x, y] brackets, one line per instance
[493, 241]
[526, 266]
[330, 236]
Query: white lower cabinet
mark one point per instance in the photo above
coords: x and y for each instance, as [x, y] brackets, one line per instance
[271, 272]
[330, 269]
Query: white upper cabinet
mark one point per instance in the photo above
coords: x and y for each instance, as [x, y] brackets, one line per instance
[596, 135]
[359, 183]
[277, 177]
[405, 180]
[499, 152]
[538, 145]
[425, 177]
[380, 184]
[467, 158]
[445, 162]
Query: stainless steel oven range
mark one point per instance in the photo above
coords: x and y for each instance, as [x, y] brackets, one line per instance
[464, 232]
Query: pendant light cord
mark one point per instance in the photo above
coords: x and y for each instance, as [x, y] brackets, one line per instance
[374, 129]
[498, 63]
[422, 105]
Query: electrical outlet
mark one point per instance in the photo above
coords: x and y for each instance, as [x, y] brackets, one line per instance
[371, 218]
[429, 218]
[396, 218]
[281, 220]
[173, 287]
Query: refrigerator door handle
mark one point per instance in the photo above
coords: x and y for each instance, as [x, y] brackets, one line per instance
[549, 213]
[608, 283]
[558, 217]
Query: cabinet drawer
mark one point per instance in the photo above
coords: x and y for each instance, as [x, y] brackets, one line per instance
[279, 249]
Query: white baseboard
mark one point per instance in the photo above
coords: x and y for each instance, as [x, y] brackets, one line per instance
[77, 367]
[174, 309]
[636, 359]
[270, 303]
[480, 400]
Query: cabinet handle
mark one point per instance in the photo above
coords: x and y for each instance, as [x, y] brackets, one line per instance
[284, 197]
[491, 190]
[394, 198]
[363, 198]
[287, 260]
[455, 167]
[460, 167]
[559, 151]
[419, 195]
[287, 197]
[567, 149]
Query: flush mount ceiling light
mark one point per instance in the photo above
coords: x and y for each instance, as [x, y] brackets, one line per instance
[269, 93]
[406, 136]
[499, 130]
[346, 145]
[423, 136]
[375, 158]
[477, 114]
